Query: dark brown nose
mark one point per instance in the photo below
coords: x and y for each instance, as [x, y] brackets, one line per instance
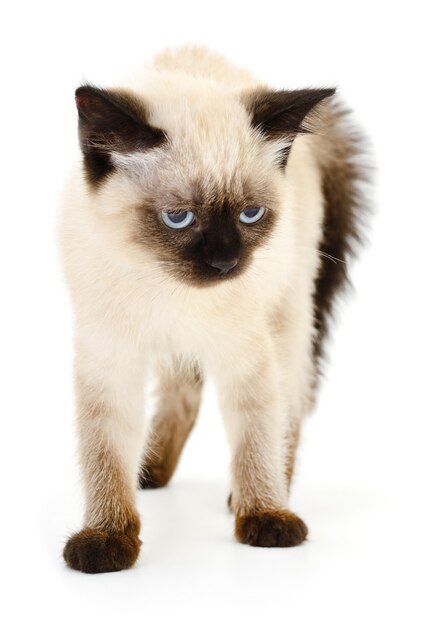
[224, 265]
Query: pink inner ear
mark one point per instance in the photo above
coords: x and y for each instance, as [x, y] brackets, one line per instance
[82, 101]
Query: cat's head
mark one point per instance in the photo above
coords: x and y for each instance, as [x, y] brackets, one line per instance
[204, 169]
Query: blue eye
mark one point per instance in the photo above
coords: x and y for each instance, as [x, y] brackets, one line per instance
[177, 219]
[250, 216]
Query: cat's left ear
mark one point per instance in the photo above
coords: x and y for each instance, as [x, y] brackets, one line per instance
[281, 115]
[112, 122]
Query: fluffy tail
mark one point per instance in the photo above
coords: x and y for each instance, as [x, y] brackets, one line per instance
[341, 155]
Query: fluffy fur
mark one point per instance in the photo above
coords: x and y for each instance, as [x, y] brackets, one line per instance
[194, 132]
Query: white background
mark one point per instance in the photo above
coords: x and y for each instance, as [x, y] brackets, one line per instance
[358, 480]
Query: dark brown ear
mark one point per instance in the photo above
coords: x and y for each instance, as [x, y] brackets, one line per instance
[281, 114]
[111, 121]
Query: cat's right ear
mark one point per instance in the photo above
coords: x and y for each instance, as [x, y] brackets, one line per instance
[111, 122]
[279, 116]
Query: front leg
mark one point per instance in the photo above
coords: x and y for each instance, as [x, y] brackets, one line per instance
[109, 395]
[255, 414]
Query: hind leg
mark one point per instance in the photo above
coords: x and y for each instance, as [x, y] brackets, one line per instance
[179, 394]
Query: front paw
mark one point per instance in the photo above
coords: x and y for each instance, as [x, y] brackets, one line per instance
[95, 551]
[270, 529]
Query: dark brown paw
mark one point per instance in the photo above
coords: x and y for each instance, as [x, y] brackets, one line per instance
[271, 529]
[94, 551]
[152, 478]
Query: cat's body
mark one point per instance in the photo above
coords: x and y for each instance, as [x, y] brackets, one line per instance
[243, 302]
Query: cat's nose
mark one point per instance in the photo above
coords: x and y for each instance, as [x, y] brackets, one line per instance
[224, 265]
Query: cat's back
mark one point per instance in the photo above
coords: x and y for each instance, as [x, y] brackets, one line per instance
[200, 63]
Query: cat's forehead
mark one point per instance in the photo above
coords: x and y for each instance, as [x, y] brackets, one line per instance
[215, 119]
[209, 194]
[210, 133]
[212, 155]
[215, 175]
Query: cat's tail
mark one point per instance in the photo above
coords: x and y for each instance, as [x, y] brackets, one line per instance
[342, 155]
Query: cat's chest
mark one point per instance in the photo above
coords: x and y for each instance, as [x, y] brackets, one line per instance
[182, 321]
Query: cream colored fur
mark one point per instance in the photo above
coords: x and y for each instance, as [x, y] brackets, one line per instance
[252, 335]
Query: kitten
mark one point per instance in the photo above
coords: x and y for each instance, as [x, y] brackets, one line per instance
[198, 237]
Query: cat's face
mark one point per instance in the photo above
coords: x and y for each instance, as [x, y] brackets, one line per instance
[208, 172]
[208, 236]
